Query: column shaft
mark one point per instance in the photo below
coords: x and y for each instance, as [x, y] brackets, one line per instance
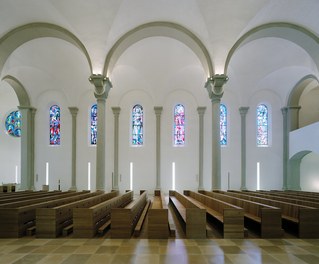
[243, 111]
[201, 111]
[73, 111]
[115, 182]
[158, 112]
[285, 153]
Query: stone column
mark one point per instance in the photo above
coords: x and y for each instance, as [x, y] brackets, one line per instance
[102, 87]
[74, 112]
[115, 181]
[214, 86]
[243, 111]
[33, 111]
[26, 148]
[158, 112]
[201, 111]
[285, 154]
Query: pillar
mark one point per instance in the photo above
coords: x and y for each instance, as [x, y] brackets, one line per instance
[27, 147]
[115, 181]
[243, 112]
[201, 111]
[214, 86]
[158, 111]
[74, 112]
[285, 152]
[102, 86]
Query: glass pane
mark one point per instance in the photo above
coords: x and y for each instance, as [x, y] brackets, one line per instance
[223, 125]
[55, 125]
[262, 125]
[93, 124]
[13, 124]
[137, 125]
[179, 125]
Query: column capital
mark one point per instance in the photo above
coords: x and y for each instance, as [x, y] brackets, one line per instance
[243, 110]
[102, 85]
[116, 110]
[294, 107]
[201, 110]
[284, 110]
[73, 110]
[214, 85]
[26, 107]
[158, 110]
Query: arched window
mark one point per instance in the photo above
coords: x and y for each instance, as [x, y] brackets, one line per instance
[13, 124]
[179, 125]
[137, 125]
[93, 124]
[262, 125]
[223, 125]
[55, 133]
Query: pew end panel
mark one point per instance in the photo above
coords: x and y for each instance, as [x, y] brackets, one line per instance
[233, 223]
[195, 223]
[308, 223]
[271, 226]
[158, 223]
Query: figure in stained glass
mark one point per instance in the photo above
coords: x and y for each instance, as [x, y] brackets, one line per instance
[137, 125]
[179, 125]
[55, 132]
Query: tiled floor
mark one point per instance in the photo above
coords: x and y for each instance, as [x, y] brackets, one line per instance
[106, 250]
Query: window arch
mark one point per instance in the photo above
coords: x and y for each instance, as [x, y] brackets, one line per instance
[137, 125]
[93, 124]
[13, 123]
[179, 125]
[262, 125]
[55, 133]
[223, 125]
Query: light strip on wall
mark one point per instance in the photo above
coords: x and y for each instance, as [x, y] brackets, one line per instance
[47, 173]
[89, 176]
[258, 175]
[173, 176]
[131, 176]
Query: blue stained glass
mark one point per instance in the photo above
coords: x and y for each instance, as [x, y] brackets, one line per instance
[55, 133]
[13, 124]
[223, 125]
[179, 125]
[137, 125]
[262, 125]
[93, 124]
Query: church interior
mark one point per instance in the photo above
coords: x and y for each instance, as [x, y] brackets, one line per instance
[186, 129]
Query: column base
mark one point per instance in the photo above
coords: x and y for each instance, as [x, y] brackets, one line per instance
[73, 189]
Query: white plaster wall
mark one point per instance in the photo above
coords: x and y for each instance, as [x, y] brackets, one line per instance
[309, 172]
[10, 147]
[58, 157]
[309, 112]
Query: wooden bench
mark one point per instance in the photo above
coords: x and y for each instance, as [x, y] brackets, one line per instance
[139, 225]
[67, 230]
[230, 216]
[267, 218]
[124, 220]
[193, 218]
[14, 222]
[290, 195]
[51, 221]
[96, 219]
[304, 219]
[158, 224]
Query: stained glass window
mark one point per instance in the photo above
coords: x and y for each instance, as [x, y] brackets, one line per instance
[55, 133]
[223, 124]
[93, 124]
[179, 125]
[13, 124]
[262, 125]
[137, 125]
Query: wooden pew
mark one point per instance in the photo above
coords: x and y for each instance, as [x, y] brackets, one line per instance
[51, 221]
[14, 222]
[158, 224]
[304, 219]
[124, 220]
[87, 222]
[230, 216]
[192, 217]
[267, 217]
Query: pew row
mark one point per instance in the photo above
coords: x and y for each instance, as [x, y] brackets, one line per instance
[158, 224]
[88, 222]
[231, 217]
[14, 222]
[304, 219]
[51, 221]
[124, 220]
[193, 218]
[267, 218]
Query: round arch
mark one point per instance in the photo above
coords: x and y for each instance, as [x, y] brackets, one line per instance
[165, 29]
[292, 32]
[20, 35]
[19, 89]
